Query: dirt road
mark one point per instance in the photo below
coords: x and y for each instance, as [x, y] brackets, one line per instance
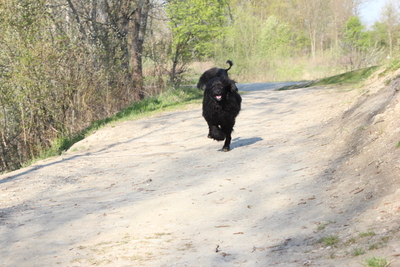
[157, 192]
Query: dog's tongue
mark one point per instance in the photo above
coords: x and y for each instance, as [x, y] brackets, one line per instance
[218, 97]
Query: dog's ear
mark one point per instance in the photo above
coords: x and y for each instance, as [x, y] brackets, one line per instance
[233, 87]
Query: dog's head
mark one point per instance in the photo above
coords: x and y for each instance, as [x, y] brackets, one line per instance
[220, 87]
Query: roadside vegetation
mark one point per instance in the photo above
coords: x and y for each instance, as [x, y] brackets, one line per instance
[354, 77]
[67, 65]
[168, 100]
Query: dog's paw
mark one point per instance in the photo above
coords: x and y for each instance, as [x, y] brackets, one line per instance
[226, 148]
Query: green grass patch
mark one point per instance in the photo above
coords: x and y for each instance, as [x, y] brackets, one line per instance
[329, 240]
[357, 252]
[393, 65]
[351, 77]
[376, 262]
[365, 234]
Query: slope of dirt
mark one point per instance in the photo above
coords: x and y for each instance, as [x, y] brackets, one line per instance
[311, 180]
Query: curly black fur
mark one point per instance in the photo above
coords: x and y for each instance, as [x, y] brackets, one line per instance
[221, 105]
[213, 73]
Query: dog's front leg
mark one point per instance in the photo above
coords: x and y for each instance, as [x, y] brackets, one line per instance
[228, 138]
[227, 143]
[215, 133]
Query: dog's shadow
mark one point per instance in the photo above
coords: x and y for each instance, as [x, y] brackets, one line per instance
[238, 142]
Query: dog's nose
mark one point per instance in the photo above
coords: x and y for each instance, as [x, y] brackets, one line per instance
[218, 91]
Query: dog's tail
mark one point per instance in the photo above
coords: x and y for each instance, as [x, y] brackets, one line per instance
[230, 65]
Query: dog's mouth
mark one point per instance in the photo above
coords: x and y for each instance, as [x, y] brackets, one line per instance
[218, 97]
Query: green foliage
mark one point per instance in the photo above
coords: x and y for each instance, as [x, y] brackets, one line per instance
[355, 76]
[367, 234]
[378, 34]
[359, 48]
[53, 81]
[376, 262]
[393, 65]
[358, 252]
[354, 32]
[194, 24]
[242, 38]
[275, 38]
[329, 240]
[351, 77]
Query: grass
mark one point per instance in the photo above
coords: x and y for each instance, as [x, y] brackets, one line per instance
[322, 226]
[329, 240]
[365, 234]
[376, 262]
[358, 252]
[393, 65]
[351, 77]
[379, 244]
[348, 78]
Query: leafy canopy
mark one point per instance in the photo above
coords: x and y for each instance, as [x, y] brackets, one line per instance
[354, 32]
[194, 24]
[275, 37]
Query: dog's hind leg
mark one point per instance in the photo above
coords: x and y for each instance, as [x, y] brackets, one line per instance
[215, 133]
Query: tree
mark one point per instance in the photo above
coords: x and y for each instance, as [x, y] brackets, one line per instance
[378, 34]
[138, 30]
[194, 24]
[354, 42]
[64, 64]
[341, 11]
[316, 16]
[275, 38]
[120, 27]
[390, 17]
[353, 31]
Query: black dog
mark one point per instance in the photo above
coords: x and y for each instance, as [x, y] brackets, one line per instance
[213, 73]
[221, 105]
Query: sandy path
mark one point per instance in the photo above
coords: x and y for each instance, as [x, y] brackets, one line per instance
[157, 192]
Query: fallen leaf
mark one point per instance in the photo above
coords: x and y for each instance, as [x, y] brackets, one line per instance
[238, 233]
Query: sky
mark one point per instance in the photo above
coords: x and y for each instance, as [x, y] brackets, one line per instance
[371, 11]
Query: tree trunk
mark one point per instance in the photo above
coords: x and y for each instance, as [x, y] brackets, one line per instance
[173, 69]
[139, 24]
